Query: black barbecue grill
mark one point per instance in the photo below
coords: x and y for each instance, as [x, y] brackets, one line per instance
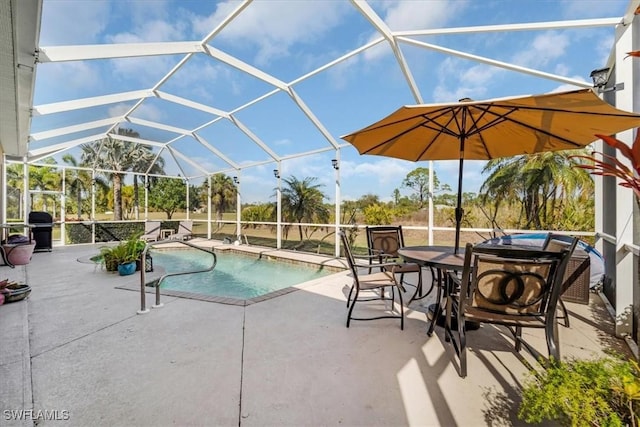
[42, 228]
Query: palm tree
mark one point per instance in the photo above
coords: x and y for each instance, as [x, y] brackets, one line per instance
[543, 182]
[15, 182]
[113, 155]
[223, 193]
[78, 182]
[143, 161]
[44, 178]
[302, 201]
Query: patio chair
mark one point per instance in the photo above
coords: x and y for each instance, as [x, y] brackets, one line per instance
[151, 231]
[559, 242]
[383, 242]
[371, 282]
[184, 231]
[512, 287]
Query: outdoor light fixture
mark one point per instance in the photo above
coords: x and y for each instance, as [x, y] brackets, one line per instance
[236, 180]
[600, 78]
[334, 163]
[276, 173]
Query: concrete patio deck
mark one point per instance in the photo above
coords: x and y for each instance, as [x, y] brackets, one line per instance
[77, 349]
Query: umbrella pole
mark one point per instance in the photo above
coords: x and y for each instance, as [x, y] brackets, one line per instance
[459, 211]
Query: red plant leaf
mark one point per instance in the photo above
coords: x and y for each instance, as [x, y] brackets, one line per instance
[611, 166]
[631, 153]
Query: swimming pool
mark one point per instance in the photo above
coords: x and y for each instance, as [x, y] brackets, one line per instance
[236, 275]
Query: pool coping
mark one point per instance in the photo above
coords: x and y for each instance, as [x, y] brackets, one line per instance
[331, 263]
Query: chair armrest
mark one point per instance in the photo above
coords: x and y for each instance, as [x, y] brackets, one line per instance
[376, 254]
[384, 264]
[371, 257]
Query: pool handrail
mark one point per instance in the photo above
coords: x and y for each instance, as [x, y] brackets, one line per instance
[143, 275]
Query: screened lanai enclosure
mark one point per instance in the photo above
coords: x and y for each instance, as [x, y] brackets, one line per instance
[116, 112]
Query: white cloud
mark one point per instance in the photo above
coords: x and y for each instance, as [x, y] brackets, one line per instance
[73, 22]
[409, 15]
[603, 48]
[149, 112]
[412, 15]
[144, 111]
[283, 142]
[118, 110]
[274, 27]
[77, 76]
[191, 78]
[384, 172]
[145, 70]
[576, 9]
[151, 31]
[470, 82]
[544, 48]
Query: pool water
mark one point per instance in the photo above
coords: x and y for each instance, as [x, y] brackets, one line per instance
[235, 275]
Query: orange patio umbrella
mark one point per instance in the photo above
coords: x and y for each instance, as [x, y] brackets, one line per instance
[483, 130]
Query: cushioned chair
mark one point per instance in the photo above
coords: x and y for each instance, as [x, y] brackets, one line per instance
[516, 288]
[376, 282]
[184, 231]
[559, 242]
[151, 231]
[384, 242]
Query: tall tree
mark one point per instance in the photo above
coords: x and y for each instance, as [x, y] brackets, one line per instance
[543, 182]
[44, 178]
[223, 193]
[113, 155]
[15, 183]
[168, 196]
[302, 201]
[418, 181]
[145, 161]
[78, 182]
[368, 200]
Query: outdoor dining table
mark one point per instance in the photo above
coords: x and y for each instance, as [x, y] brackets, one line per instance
[442, 259]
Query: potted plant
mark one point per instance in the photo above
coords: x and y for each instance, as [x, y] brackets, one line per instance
[108, 258]
[123, 256]
[126, 254]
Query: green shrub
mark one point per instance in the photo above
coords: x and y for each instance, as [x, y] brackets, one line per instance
[601, 392]
[78, 232]
[378, 214]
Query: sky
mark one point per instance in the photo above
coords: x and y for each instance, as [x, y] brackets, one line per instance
[287, 40]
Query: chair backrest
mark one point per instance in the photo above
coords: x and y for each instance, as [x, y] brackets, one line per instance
[387, 239]
[512, 281]
[185, 227]
[559, 242]
[152, 227]
[348, 255]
